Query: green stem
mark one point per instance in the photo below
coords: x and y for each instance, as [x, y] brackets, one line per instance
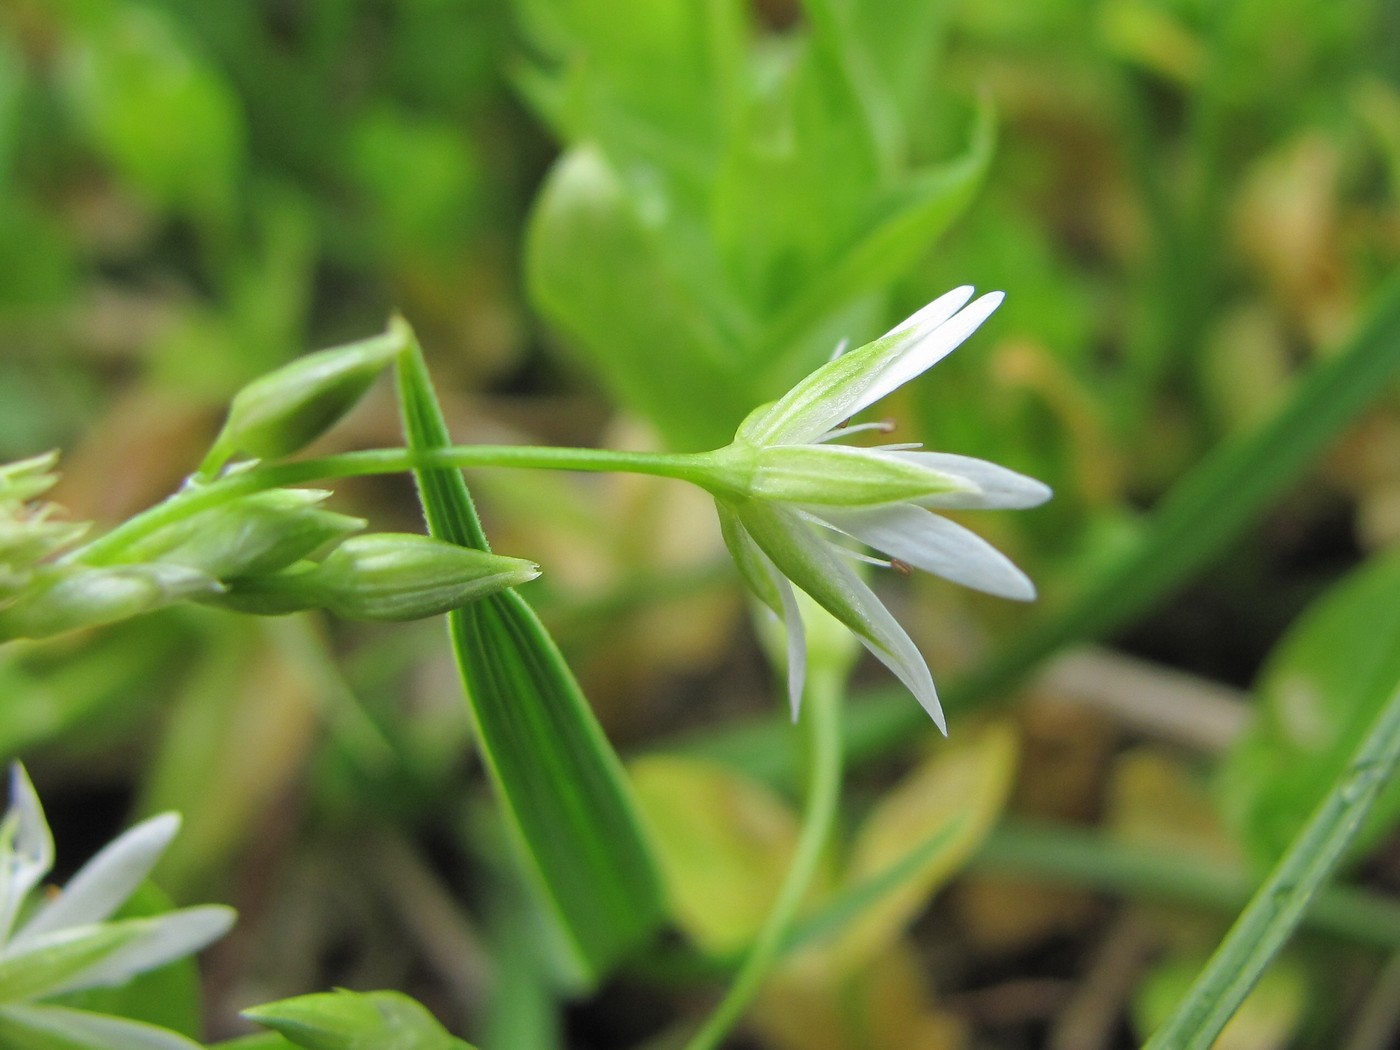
[822, 715]
[204, 495]
[1281, 902]
[1083, 859]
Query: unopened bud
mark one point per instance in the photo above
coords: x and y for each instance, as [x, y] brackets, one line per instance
[286, 409]
[85, 597]
[395, 576]
[25, 479]
[344, 1020]
[258, 534]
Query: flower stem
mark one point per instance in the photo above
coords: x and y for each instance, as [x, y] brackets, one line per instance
[821, 710]
[202, 495]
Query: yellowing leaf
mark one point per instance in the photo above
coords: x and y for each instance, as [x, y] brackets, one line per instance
[958, 794]
[884, 1006]
[723, 841]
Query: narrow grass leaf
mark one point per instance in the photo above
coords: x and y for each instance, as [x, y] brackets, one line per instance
[558, 779]
[1280, 904]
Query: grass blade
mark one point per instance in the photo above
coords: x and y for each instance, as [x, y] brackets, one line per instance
[559, 781]
[1281, 902]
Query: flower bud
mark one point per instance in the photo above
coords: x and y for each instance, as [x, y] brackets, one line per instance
[258, 534]
[286, 409]
[396, 576]
[85, 597]
[343, 1020]
[25, 479]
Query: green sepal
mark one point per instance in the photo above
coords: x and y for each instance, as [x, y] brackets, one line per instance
[284, 410]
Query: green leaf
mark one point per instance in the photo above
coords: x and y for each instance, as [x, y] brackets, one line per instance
[344, 1020]
[724, 842]
[132, 78]
[656, 324]
[1322, 687]
[1282, 902]
[558, 779]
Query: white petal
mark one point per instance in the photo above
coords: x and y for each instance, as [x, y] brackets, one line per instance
[796, 641]
[26, 848]
[168, 937]
[931, 345]
[821, 570]
[79, 1028]
[841, 388]
[926, 541]
[105, 882]
[936, 312]
[997, 487]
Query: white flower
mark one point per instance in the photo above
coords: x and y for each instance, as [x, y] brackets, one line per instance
[790, 502]
[68, 941]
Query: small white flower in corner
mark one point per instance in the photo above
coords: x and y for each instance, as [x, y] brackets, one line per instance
[68, 941]
[788, 496]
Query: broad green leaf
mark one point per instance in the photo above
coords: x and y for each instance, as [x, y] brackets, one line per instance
[961, 790]
[558, 779]
[1323, 685]
[345, 1020]
[130, 79]
[655, 323]
[885, 50]
[724, 842]
[896, 227]
[651, 81]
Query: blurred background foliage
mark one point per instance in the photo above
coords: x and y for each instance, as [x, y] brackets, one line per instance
[628, 224]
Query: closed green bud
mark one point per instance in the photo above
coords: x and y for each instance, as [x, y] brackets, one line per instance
[396, 576]
[77, 597]
[25, 479]
[344, 1020]
[258, 534]
[286, 409]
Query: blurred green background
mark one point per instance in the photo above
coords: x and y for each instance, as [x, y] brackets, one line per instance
[628, 224]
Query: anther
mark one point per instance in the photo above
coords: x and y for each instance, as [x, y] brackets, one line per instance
[901, 567]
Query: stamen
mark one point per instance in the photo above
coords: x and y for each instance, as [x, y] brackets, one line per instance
[869, 559]
[904, 446]
[901, 567]
[846, 429]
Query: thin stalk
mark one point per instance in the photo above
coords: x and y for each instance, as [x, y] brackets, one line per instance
[1086, 860]
[1282, 901]
[822, 716]
[200, 496]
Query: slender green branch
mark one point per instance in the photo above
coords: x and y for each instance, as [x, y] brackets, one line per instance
[1086, 860]
[822, 715]
[1281, 902]
[198, 496]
